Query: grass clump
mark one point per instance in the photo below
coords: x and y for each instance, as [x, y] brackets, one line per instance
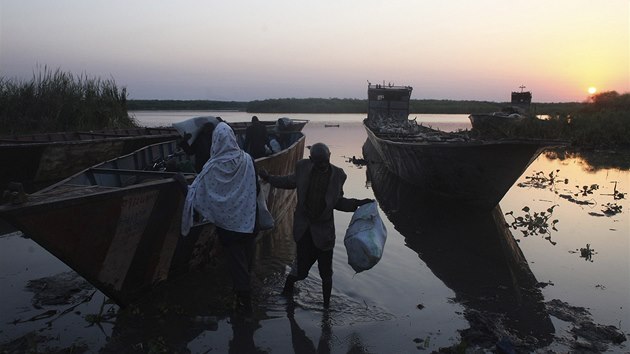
[602, 122]
[60, 101]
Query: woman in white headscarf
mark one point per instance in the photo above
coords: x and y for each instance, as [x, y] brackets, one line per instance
[224, 193]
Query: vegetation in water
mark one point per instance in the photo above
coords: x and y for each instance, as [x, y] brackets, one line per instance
[586, 253]
[581, 195]
[54, 100]
[611, 209]
[532, 224]
[540, 180]
[103, 316]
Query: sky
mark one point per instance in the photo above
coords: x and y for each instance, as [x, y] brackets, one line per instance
[252, 50]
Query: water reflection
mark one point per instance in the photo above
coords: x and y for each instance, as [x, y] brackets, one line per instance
[594, 159]
[301, 342]
[243, 336]
[474, 254]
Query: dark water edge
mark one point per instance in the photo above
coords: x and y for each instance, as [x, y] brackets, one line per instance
[429, 291]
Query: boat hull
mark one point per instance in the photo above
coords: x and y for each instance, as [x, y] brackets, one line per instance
[471, 173]
[118, 226]
[39, 160]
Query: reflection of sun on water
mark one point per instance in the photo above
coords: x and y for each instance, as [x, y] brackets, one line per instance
[592, 90]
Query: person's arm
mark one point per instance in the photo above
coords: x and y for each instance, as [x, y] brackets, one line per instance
[350, 204]
[284, 182]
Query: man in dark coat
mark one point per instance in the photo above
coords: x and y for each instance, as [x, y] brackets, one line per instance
[319, 190]
[256, 139]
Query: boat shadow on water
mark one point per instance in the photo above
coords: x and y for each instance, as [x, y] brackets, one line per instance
[474, 254]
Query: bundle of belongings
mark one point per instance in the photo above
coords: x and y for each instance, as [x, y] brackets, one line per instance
[365, 238]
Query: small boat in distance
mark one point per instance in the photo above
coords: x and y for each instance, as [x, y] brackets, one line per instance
[455, 165]
[117, 224]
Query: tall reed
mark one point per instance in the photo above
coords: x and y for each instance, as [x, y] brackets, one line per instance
[61, 101]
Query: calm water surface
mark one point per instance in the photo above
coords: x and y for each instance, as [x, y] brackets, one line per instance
[441, 270]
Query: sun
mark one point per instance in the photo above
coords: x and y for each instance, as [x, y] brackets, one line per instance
[592, 90]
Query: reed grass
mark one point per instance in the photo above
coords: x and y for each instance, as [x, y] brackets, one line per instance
[54, 100]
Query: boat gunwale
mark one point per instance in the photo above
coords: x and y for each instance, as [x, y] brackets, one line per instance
[472, 143]
[47, 201]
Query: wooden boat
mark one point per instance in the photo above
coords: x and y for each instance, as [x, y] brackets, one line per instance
[470, 171]
[471, 251]
[38, 160]
[117, 223]
[502, 124]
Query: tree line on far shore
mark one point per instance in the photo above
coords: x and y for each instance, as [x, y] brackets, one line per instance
[340, 105]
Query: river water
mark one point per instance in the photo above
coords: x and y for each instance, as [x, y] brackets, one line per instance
[442, 279]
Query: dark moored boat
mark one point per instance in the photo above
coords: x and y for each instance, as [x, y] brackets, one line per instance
[117, 223]
[474, 253]
[473, 172]
[502, 124]
[38, 160]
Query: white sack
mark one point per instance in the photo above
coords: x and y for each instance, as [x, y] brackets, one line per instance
[193, 126]
[365, 238]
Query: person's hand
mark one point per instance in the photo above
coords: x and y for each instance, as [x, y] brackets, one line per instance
[183, 140]
[264, 175]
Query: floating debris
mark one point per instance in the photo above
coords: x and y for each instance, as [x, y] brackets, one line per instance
[60, 289]
[611, 209]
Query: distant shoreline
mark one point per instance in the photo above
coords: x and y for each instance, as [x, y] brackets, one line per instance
[336, 105]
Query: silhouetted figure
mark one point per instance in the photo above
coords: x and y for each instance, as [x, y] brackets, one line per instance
[256, 139]
[224, 193]
[200, 148]
[319, 187]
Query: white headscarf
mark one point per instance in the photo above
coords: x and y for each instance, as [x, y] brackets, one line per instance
[224, 192]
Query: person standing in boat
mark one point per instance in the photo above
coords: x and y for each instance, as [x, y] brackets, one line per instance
[200, 148]
[319, 187]
[256, 139]
[224, 193]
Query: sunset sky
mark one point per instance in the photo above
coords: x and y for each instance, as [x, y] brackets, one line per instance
[248, 50]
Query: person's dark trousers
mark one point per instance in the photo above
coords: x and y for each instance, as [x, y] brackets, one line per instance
[240, 249]
[307, 254]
